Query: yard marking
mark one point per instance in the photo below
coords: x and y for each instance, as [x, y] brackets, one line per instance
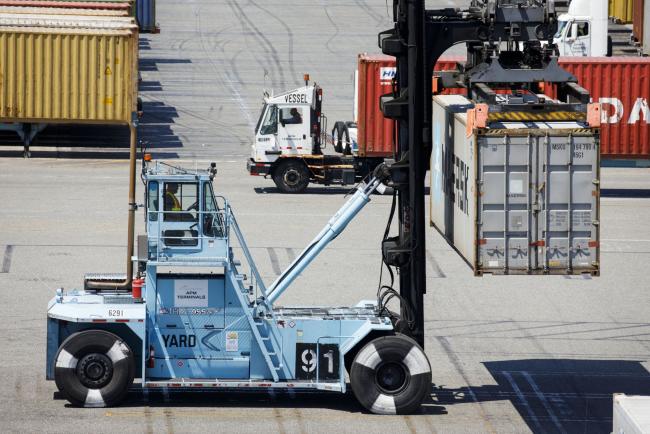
[545, 403]
[275, 262]
[6, 262]
[523, 400]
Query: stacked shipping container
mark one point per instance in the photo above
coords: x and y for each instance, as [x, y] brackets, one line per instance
[71, 69]
[621, 84]
[143, 10]
[71, 64]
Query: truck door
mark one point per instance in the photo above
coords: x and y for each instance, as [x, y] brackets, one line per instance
[580, 39]
[293, 132]
[267, 132]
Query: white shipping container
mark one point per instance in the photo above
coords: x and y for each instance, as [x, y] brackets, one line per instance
[515, 198]
[631, 414]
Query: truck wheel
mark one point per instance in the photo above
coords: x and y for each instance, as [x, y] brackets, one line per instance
[291, 176]
[347, 143]
[94, 368]
[337, 135]
[391, 375]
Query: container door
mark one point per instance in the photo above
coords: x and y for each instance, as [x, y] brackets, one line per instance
[505, 203]
[569, 199]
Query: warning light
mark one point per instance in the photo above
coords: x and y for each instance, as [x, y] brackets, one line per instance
[147, 157]
[306, 78]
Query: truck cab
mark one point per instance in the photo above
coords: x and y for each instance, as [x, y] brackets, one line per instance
[583, 31]
[289, 124]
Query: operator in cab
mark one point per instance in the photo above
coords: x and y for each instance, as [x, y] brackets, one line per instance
[171, 202]
[295, 118]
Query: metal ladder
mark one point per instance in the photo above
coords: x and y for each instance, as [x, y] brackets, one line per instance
[266, 336]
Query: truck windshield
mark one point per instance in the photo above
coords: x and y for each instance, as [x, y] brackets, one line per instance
[561, 25]
[270, 123]
[259, 121]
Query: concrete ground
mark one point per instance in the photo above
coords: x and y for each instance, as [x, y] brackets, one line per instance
[509, 354]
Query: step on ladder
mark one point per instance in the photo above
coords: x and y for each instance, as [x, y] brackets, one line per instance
[269, 343]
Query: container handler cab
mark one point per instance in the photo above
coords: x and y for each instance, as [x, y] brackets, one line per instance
[291, 139]
[202, 320]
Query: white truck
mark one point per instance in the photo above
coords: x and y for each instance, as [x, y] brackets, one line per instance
[584, 29]
[290, 140]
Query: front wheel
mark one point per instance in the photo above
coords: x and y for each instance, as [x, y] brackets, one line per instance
[291, 176]
[94, 368]
[391, 375]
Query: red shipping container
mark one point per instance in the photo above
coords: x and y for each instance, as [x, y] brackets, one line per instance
[622, 86]
[375, 134]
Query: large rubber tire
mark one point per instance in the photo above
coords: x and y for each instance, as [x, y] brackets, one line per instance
[391, 375]
[347, 143]
[291, 176]
[337, 136]
[94, 368]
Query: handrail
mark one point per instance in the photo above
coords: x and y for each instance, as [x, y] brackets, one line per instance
[247, 253]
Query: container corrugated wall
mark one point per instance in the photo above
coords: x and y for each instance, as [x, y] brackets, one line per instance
[621, 10]
[67, 75]
[375, 134]
[146, 15]
[75, 4]
[63, 11]
[622, 85]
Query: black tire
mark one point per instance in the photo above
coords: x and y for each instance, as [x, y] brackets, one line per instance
[346, 143]
[337, 136]
[291, 176]
[391, 375]
[94, 368]
[610, 46]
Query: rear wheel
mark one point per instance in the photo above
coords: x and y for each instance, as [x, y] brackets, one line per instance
[291, 176]
[391, 375]
[94, 368]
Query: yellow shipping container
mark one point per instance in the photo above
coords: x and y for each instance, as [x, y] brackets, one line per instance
[64, 69]
[621, 10]
[62, 11]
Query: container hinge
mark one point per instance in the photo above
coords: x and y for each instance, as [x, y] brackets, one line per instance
[595, 223]
[596, 182]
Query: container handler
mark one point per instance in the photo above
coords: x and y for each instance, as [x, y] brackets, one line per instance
[175, 327]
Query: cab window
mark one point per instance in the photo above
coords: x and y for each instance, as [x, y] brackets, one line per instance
[152, 201]
[212, 218]
[562, 25]
[291, 115]
[180, 201]
[270, 123]
[583, 29]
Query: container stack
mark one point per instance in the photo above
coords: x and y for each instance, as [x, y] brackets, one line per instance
[70, 62]
[621, 11]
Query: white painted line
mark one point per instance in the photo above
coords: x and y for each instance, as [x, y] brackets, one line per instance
[545, 403]
[522, 399]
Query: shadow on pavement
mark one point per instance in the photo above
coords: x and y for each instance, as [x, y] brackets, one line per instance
[279, 399]
[556, 395]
